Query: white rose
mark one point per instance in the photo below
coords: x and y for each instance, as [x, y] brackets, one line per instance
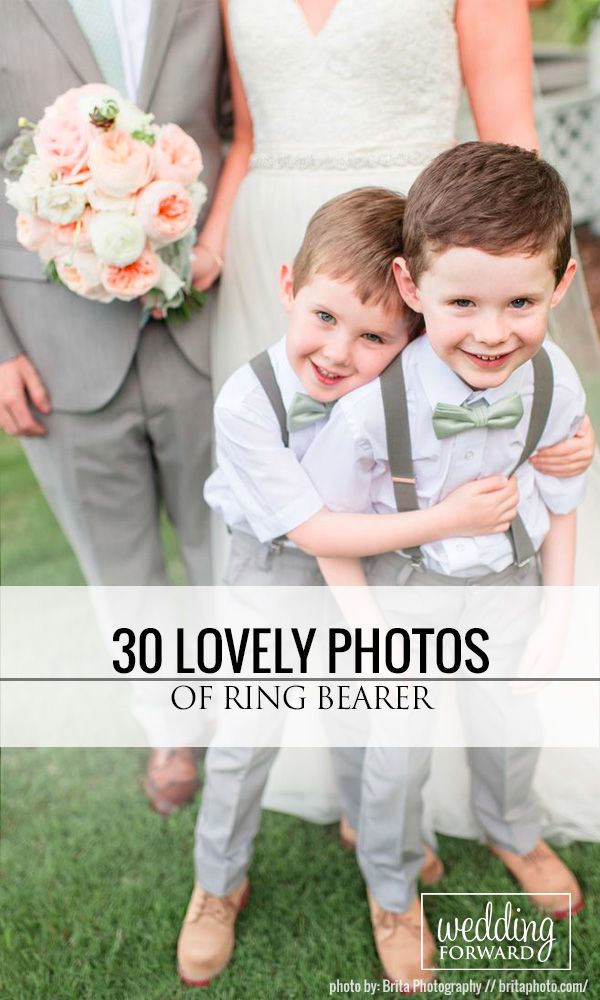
[36, 176]
[62, 203]
[106, 203]
[17, 196]
[117, 238]
[131, 119]
[197, 192]
[169, 282]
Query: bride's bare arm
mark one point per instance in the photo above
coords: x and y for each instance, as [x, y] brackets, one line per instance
[494, 40]
[209, 249]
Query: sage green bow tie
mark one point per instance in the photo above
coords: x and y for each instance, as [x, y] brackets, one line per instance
[449, 420]
[305, 411]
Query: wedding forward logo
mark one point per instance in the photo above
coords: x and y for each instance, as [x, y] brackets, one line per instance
[492, 931]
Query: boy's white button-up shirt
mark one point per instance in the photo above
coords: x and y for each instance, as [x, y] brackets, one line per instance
[259, 485]
[349, 463]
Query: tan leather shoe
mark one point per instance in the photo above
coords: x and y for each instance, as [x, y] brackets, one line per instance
[543, 876]
[207, 936]
[171, 779]
[398, 942]
[432, 869]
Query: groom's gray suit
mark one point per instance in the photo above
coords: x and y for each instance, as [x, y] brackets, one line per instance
[131, 412]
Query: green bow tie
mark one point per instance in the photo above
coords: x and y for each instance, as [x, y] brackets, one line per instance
[305, 411]
[449, 420]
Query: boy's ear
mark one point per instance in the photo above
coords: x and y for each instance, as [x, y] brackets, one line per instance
[406, 286]
[563, 285]
[286, 286]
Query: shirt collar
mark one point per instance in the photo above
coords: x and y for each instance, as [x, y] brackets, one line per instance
[442, 385]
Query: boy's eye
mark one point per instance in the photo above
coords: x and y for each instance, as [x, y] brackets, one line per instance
[373, 338]
[325, 317]
[463, 303]
[519, 303]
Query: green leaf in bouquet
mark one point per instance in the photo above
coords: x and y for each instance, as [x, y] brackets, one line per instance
[192, 301]
[143, 136]
[51, 273]
[19, 151]
[177, 256]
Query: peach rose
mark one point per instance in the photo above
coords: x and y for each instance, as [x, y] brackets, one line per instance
[32, 231]
[61, 140]
[81, 272]
[119, 164]
[75, 234]
[166, 211]
[134, 280]
[49, 250]
[176, 156]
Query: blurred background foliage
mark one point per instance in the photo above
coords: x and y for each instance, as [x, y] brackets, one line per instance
[563, 22]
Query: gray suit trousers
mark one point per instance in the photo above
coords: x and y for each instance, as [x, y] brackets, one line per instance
[106, 473]
[390, 850]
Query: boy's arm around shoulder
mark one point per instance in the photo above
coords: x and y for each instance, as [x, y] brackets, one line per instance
[348, 465]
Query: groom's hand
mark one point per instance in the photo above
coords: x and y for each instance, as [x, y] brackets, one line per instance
[18, 381]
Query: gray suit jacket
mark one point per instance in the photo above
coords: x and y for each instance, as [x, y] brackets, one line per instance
[83, 349]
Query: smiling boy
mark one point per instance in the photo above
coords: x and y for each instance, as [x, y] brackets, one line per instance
[486, 257]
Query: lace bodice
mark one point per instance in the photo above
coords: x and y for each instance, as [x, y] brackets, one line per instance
[382, 75]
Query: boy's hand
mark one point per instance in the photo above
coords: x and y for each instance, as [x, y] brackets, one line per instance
[570, 457]
[483, 507]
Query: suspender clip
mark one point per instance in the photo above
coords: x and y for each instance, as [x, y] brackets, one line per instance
[525, 562]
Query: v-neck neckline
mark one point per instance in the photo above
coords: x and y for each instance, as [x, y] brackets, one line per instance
[314, 36]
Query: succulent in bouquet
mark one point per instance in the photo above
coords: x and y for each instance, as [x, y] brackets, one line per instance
[108, 200]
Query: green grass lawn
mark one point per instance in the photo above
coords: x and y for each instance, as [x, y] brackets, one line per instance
[96, 885]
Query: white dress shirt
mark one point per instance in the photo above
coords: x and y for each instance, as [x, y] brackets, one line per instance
[349, 463]
[132, 18]
[259, 485]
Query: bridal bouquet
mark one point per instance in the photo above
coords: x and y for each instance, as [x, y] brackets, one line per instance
[109, 200]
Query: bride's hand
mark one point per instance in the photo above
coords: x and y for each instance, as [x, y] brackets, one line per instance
[206, 266]
[570, 457]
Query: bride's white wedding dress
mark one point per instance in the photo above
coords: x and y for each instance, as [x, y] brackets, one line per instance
[370, 100]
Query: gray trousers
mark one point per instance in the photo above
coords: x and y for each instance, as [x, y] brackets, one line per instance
[106, 473]
[390, 850]
[235, 777]
[380, 788]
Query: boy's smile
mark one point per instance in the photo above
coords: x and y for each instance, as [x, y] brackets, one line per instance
[336, 343]
[485, 314]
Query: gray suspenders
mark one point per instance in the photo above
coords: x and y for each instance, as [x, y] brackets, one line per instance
[263, 369]
[393, 390]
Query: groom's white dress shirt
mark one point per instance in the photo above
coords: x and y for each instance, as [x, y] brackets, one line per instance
[259, 485]
[349, 464]
[132, 18]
